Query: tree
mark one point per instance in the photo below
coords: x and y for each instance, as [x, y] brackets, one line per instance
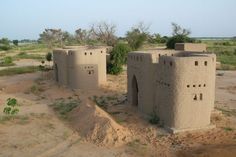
[15, 42]
[137, 36]
[4, 44]
[53, 37]
[179, 35]
[104, 32]
[118, 57]
[82, 35]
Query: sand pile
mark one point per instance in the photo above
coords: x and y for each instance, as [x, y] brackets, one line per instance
[97, 126]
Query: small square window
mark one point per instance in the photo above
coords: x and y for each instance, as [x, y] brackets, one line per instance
[205, 63]
[199, 85]
[188, 86]
[196, 63]
[194, 85]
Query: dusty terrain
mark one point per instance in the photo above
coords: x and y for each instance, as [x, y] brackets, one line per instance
[103, 124]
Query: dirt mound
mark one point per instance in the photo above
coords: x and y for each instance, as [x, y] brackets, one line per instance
[97, 126]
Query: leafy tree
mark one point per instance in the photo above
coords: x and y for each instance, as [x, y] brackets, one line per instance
[4, 44]
[15, 42]
[104, 32]
[179, 35]
[118, 57]
[11, 108]
[137, 36]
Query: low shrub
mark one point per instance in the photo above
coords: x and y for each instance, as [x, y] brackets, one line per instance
[154, 119]
[11, 108]
[7, 61]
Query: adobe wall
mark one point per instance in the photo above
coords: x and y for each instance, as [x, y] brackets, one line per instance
[189, 103]
[91, 60]
[194, 47]
[178, 86]
[80, 67]
[60, 65]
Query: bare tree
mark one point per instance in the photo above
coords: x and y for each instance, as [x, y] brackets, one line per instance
[178, 30]
[142, 27]
[82, 35]
[104, 32]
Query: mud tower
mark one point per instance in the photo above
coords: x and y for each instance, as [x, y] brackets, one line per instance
[178, 86]
[80, 67]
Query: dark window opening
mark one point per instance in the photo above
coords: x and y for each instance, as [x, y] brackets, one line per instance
[194, 85]
[188, 86]
[85, 53]
[195, 97]
[170, 63]
[101, 51]
[196, 63]
[204, 85]
[199, 85]
[90, 53]
[205, 63]
[201, 96]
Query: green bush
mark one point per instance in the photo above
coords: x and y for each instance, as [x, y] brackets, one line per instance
[11, 108]
[154, 119]
[118, 57]
[7, 61]
[178, 39]
[4, 44]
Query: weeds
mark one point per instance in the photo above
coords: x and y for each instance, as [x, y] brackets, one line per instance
[154, 119]
[228, 129]
[63, 108]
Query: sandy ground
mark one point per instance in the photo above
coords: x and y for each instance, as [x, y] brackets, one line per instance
[113, 129]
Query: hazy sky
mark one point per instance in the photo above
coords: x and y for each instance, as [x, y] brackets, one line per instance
[20, 19]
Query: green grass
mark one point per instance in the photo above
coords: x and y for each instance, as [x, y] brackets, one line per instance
[18, 119]
[31, 47]
[18, 70]
[24, 55]
[225, 52]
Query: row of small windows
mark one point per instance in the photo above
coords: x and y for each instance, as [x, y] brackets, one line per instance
[170, 63]
[85, 53]
[204, 85]
[88, 67]
[196, 63]
[165, 55]
[163, 83]
[198, 97]
[136, 58]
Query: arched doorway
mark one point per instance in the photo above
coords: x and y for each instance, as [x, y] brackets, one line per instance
[134, 91]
